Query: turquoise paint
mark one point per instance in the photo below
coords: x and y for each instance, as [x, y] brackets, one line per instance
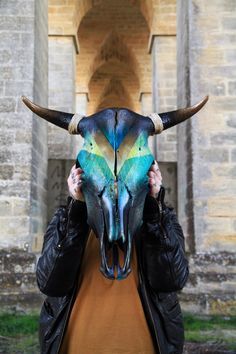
[132, 176]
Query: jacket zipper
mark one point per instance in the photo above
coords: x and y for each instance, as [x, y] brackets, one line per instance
[150, 311]
[161, 216]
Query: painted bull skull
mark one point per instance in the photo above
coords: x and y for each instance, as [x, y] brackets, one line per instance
[115, 149]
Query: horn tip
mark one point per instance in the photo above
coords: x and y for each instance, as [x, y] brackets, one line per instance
[24, 99]
[204, 101]
[27, 102]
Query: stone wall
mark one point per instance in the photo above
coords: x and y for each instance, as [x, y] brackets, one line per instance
[39, 129]
[163, 52]
[58, 172]
[23, 170]
[206, 34]
[62, 147]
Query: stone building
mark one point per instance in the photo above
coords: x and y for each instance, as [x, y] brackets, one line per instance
[147, 55]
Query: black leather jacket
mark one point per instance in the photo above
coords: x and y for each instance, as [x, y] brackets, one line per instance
[162, 268]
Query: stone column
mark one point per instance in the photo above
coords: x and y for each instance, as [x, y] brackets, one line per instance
[62, 72]
[59, 169]
[146, 103]
[23, 137]
[81, 102]
[146, 108]
[163, 51]
[206, 154]
[63, 147]
[23, 71]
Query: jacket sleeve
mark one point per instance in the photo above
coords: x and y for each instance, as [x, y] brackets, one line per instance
[63, 246]
[163, 250]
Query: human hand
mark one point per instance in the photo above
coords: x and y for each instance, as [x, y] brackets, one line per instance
[74, 182]
[154, 180]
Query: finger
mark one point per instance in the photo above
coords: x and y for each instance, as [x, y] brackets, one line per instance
[155, 185]
[158, 179]
[158, 174]
[76, 188]
[73, 168]
[152, 182]
[77, 192]
[70, 178]
[151, 174]
[154, 167]
[78, 170]
[72, 172]
[74, 184]
[77, 181]
[76, 173]
[157, 170]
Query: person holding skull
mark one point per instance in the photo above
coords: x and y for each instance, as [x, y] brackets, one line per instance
[115, 216]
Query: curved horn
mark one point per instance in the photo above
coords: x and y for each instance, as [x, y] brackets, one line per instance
[61, 119]
[167, 120]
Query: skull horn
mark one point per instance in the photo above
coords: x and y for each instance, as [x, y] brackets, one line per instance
[61, 119]
[167, 120]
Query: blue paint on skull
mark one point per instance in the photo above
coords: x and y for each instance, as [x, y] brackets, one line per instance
[115, 149]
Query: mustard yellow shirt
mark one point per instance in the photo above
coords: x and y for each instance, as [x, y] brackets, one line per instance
[107, 316]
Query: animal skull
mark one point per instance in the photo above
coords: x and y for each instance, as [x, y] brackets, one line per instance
[115, 149]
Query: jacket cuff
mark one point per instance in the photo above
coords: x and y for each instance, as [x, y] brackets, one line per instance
[154, 207]
[151, 212]
[77, 209]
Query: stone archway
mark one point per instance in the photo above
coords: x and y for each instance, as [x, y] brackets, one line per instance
[113, 64]
[113, 39]
[65, 16]
[114, 80]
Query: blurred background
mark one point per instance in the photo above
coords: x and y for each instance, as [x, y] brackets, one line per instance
[146, 55]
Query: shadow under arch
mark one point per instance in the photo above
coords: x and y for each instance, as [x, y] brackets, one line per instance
[82, 7]
[113, 84]
[114, 49]
[114, 95]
